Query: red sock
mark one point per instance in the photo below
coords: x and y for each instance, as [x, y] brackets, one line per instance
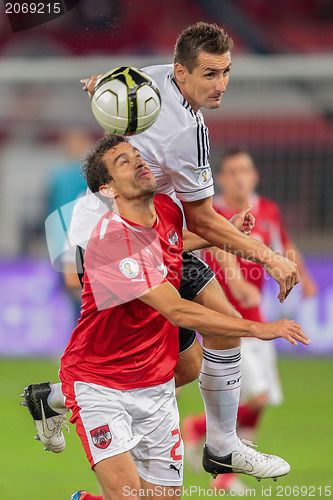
[247, 416]
[194, 427]
[200, 425]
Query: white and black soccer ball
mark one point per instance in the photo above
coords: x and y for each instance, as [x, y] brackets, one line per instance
[126, 101]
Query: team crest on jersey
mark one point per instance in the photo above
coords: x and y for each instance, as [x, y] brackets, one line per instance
[204, 176]
[172, 237]
[129, 268]
[163, 270]
[101, 436]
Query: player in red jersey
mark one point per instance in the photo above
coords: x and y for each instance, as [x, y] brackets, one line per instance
[242, 282]
[117, 369]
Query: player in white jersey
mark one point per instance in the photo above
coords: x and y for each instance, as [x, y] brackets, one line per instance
[176, 148]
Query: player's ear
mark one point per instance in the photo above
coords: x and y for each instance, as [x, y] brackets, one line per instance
[180, 72]
[107, 192]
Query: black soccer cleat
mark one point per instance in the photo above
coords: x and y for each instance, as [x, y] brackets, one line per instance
[216, 465]
[35, 395]
[47, 421]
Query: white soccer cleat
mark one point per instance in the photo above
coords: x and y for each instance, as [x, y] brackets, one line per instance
[246, 460]
[48, 422]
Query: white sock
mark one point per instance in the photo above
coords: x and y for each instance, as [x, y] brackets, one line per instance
[56, 399]
[219, 383]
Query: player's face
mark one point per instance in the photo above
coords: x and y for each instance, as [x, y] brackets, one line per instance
[205, 86]
[131, 177]
[238, 178]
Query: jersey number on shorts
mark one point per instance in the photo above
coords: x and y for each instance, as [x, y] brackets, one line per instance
[173, 452]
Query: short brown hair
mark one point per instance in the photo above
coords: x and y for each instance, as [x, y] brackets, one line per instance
[200, 36]
[94, 168]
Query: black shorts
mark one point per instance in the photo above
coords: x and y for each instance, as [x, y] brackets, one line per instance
[196, 274]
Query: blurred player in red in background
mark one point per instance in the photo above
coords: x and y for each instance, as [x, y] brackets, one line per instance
[243, 282]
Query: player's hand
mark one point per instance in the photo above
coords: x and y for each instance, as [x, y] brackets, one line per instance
[284, 272]
[246, 294]
[244, 221]
[284, 328]
[88, 84]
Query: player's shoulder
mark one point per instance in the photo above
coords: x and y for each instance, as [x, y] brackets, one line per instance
[162, 200]
[267, 205]
[167, 208]
[108, 229]
[159, 72]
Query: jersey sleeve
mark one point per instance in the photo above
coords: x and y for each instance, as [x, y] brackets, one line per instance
[123, 267]
[186, 160]
[279, 238]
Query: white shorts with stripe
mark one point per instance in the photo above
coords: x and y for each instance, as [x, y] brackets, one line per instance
[260, 371]
[142, 421]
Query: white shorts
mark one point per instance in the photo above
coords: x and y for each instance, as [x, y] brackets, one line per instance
[142, 421]
[259, 371]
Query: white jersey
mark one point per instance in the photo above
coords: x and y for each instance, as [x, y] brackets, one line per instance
[176, 148]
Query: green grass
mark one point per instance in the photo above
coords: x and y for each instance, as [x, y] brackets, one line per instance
[300, 431]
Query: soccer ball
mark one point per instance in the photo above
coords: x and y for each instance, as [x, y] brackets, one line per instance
[126, 101]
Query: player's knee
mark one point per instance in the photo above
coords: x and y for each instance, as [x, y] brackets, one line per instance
[189, 365]
[186, 375]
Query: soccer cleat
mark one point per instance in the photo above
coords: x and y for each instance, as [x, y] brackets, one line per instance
[48, 422]
[78, 495]
[245, 460]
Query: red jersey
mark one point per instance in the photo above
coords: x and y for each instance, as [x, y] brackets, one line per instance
[120, 342]
[270, 230]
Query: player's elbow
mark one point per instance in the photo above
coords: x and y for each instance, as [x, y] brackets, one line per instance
[198, 222]
[175, 315]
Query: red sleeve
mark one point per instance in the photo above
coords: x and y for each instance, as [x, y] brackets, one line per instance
[123, 265]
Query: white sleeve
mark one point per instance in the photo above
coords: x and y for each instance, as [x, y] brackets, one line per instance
[186, 160]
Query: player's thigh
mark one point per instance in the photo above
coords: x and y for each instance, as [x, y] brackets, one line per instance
[118, 477]
[213, 297]
[189, 362]
[154, 492]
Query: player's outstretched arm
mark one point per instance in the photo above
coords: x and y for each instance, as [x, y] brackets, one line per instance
[183, 313]
[203, 220]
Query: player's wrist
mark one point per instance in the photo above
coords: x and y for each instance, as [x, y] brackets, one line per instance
[253, 329]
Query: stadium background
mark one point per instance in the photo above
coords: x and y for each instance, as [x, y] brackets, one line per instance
[279, 105]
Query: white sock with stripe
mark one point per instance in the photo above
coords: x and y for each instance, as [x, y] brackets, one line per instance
[56, 399]
[219, 383]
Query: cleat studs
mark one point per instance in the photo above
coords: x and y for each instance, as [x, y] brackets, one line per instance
[258, 479]
[37, 438]
[22, 395]
[23, 403]
[214, 475]
[275, 479]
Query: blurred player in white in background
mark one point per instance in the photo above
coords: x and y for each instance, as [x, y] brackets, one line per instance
[243, 282]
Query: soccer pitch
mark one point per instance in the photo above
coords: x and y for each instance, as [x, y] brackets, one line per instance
[300, 431]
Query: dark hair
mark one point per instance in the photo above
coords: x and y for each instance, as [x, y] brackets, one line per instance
[200, 36]
[94, 168]
[234, 151]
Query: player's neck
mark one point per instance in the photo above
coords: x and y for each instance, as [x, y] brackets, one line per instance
[234, 204]
[140, 211]
[188, 98]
